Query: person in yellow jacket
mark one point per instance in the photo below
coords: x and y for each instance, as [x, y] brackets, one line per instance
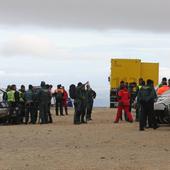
[12, 99]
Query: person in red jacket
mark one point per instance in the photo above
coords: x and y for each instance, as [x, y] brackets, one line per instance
[65, 98]
[124, 104]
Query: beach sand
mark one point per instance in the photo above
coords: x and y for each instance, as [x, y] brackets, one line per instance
[98, 145]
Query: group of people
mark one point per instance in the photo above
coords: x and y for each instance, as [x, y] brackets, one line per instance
[24, 105]
[145, 95]
[33, 105]
[83, 96]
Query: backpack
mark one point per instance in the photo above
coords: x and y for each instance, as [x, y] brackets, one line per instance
[72, 91]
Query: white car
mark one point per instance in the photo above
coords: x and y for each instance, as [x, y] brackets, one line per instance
[162, 107]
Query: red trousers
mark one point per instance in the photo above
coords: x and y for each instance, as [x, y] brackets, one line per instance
[119, 113]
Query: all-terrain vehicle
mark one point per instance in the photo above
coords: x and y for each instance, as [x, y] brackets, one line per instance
[162, 108]
[4, 114]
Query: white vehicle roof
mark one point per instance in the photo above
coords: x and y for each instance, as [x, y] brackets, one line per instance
[1, 95]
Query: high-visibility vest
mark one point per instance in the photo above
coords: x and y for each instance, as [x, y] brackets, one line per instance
[11, 96]
[139, 86]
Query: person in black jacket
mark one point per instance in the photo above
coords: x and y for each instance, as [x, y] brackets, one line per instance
[80, 103]
[91, 95]
[43, 98]
[146, 97]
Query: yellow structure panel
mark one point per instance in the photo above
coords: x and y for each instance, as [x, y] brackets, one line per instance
[150, 71]
[130, 70]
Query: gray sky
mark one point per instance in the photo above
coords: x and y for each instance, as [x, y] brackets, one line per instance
[74, 40]
[148, 15]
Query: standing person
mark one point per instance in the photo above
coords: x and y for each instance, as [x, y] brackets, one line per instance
[154, 119]
[125, 84]
[73, 95]
[83, 106]
[146, 96]
[124, 103]
[11, 102]
[59, 99]
[43, 97]
[91, 95]
[16, 118]
[138, 107]
[76, 94]
[163, 82]
[22, 103]
[65, 98]
[50, 120]
[52, 91]
[133, 91]
[29, 113]
[35, 104]
[164, 87]
[5, 93]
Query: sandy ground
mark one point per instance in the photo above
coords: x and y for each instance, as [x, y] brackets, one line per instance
[98, 145]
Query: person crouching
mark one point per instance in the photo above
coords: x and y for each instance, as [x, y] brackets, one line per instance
[124, 104]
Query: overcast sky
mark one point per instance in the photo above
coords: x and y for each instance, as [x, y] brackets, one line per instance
[73, 40]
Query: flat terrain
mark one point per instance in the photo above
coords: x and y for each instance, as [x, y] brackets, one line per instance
[98, 145]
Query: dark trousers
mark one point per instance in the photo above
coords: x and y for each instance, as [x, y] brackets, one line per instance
[35, 113]
[138, 111]
[77, 111]
[83, 112]
[11, 112]
[89, 109]
[22, 111]
[50, 120]
[43, 113]
[29, 113]
[147, 115]
[59, 105]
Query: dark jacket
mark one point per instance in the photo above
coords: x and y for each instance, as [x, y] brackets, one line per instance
[147, 94]
[91, 95]
[44, 96]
